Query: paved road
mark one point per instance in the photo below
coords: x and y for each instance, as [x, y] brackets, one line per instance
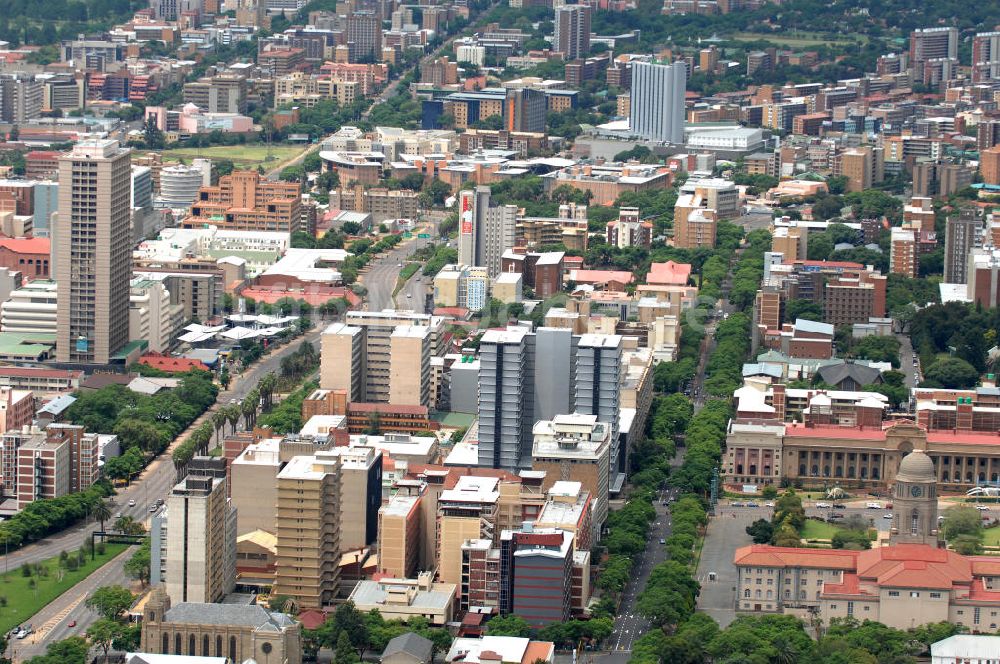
[382, 273]
[53, 622]
[154, 482]
[726, 533]
[906, 358]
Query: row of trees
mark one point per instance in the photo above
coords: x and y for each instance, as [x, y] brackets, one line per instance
[43, 517]
[352, 633]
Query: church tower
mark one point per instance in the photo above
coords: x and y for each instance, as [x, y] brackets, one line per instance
[914, 511]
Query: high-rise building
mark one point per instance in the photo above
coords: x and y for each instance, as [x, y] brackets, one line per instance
[989, 165]
[930, 43]
[21, 98]
[486, 231]
[364, 36]
[572, 31]
[597, 392]
[201, 540]
[529, 376]
[629, 230]
[245, 201]
[698, 209]
[576, 447]
[985, 57]
[526, 110]
[960, 237]
[506, 400]
[537, 575]
[382, 356]
[307, 565]
[93, 257]
[399, 537]
[656, 102]
[862, 166]
[903, 253]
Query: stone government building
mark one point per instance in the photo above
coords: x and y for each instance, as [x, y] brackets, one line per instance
[910, 582]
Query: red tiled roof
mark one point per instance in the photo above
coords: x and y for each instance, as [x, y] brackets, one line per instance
[312, 619]
[798, 430]
[914, 566]
[172, 364]
[777, 556]
[851, 585]
[26, 245]
[964, 437]
[668, 273]
[601, 276]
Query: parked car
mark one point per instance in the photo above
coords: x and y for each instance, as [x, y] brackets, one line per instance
[738, 504]
[982, 508]
[839, 506]
[769, 503]
[887, 515]
[873, 506]
[131, 503]
[752, 504]
[823, 506]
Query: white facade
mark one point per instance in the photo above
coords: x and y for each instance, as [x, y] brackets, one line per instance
[151, 316]
[657, 101]
[471, 53]
[179, 184]
[31, 309]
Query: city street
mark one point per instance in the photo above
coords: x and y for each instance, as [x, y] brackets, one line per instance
[382, 273]
[154, 482]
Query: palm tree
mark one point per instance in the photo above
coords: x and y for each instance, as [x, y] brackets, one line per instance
[266, 388]
[233, 415]
[218, 423]
[249, 409]
[102, 512]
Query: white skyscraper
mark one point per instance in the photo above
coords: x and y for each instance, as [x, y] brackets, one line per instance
[657, 101]
[486, 231]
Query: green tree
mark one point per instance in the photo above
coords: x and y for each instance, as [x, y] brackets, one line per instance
[951, 373]
[962, 521]
[138, 566]
[510, 625]
[761, 531]
[103, 632]
[110, 601]
[345, 653]
[102, 512]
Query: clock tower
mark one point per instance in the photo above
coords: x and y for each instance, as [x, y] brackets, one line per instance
[914, 510]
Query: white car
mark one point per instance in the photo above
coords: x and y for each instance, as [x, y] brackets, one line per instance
[409, 295]
[873, 506]
[131, 503]
[982, 508]
[823, 506]
[887, 515]
[769, 504]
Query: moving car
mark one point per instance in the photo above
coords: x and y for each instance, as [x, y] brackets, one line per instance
[131, 503]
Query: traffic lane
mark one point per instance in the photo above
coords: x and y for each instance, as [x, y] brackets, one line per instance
[158, 477]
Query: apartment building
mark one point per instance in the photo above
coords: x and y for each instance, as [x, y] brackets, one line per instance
[371, 350]
[244, 201]
[699, 207]
[467, 511]
[576, 447]
[961, 235]
[223, 93]
[308, 530]
[904, 256]
[399, 527]
[48, 463]
[201, 542]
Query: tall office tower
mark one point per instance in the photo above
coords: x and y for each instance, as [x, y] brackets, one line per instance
[598, 367]
[94, 255]
[201, 540]
[572, 31]
[656, 101]
[960, 237]
[985, 57]
[506, 360]
[486, 232]
[526, 110]
[360, 496]
[554, 374]
[307, 565]
[21, 98]
[930, 43]
[410, 365]
[364, 36]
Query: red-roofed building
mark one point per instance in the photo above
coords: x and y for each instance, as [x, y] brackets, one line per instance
[172, 364]
[902, 585]
[614, 280]
[27, 255]
[669, 274]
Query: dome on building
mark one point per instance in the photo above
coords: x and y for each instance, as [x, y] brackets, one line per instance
[916, 467]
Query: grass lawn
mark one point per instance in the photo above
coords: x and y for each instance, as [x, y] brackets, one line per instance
[991, 536]
[241, 155]
[794, 39]
[24, 602]
[816, 529]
